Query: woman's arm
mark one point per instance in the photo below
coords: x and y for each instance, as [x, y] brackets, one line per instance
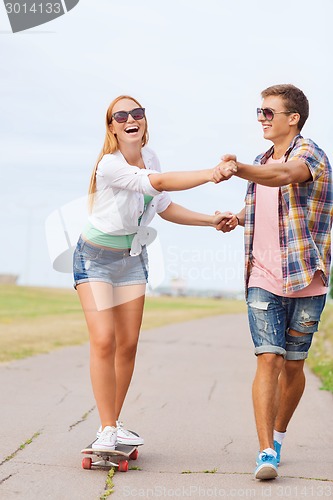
[116, 173]
[177, 181]
[181, 215]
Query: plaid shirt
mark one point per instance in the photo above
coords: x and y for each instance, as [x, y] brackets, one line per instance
[305, 218]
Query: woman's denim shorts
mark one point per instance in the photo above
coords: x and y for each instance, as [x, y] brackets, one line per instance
[271, 317]
[115, 266]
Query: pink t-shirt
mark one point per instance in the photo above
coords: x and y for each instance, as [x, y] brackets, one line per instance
[266, 271]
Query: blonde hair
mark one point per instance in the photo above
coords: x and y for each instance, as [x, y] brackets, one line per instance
[110, 145]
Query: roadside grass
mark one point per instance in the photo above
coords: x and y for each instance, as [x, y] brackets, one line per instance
[37, 320]
[321, 353]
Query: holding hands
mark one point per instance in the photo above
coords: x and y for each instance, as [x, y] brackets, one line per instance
[225, 221]
[225, 169]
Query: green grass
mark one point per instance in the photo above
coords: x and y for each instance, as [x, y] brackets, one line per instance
[321, 353]
[21, 447]
[27, 302]
[161, 311]
[109, 485]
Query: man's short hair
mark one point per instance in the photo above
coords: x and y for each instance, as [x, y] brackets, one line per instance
[295, 100]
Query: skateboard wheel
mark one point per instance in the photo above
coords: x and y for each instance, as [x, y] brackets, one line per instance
[86, 463]
[134, 455]
[123, 466]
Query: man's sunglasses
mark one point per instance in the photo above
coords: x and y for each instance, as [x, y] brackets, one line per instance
[122, 116]
[268, 113]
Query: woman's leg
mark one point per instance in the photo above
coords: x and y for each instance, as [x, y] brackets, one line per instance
[114, 317]
[96, 299]
[127, 321]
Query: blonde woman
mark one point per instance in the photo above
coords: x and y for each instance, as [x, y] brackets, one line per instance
[110, 260]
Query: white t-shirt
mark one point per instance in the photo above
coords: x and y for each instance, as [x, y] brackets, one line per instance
[119, 197]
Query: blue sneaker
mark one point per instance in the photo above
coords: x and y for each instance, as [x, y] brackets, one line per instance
[277, 448]
[266, 466]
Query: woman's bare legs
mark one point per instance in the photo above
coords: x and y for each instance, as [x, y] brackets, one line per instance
[127, 320]
[113, 317]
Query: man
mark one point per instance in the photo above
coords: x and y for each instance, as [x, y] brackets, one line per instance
[288, 220]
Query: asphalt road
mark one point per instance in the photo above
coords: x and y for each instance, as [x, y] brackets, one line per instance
[190, 399]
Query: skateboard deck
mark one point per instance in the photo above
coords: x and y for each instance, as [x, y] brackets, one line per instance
[115, 458]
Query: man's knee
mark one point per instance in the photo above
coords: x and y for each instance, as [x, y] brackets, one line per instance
[293, 367]
[270, 361]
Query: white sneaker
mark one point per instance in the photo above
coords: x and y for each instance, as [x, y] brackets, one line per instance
[107, 439]
[125, 436]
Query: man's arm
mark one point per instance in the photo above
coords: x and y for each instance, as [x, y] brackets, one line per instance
[241, 217]
[273, 175]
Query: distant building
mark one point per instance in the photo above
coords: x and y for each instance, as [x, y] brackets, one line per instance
[170, 290]
[8, 279]
[178, 286]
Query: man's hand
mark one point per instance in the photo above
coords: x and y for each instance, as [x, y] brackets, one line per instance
[224, 170]
[229, 157]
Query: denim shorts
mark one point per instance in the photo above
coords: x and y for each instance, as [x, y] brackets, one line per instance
[271, 317]
[115, 266]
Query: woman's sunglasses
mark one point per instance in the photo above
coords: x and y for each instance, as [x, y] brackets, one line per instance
[268, 113]
[122, 116]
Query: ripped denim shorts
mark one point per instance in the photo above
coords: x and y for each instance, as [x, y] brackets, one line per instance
[116, 267]
[271, 317]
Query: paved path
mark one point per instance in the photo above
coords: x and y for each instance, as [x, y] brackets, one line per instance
[190, 399]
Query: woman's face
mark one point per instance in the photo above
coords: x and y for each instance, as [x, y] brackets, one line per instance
[132, 130]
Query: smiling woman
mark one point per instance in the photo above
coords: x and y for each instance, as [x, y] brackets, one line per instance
[126, 190]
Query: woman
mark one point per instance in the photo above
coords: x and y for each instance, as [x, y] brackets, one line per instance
[110, 260]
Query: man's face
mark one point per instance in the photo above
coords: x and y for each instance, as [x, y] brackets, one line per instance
[280, 126]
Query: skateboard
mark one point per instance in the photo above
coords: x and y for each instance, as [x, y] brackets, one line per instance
[115, 458]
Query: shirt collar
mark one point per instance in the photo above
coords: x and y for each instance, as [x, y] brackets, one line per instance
[147, 156]
[269, 153]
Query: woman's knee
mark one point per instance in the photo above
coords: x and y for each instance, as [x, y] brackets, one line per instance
[127, 349]
[102, 345]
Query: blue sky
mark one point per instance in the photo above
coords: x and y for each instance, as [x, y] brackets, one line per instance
[198, 68]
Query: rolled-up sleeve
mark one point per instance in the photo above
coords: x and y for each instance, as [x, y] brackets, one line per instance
[312, 155]
[117, 174]
[163, 201]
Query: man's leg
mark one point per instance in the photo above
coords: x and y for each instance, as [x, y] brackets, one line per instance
[303, 318]
[267, 319]
[291, 388]
[265, 396]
